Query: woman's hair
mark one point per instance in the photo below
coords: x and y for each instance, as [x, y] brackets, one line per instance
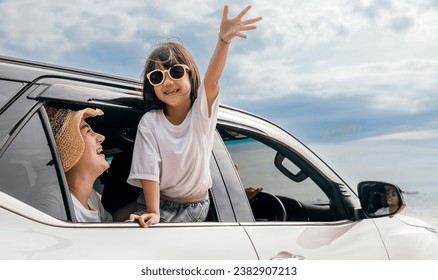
[168, 54]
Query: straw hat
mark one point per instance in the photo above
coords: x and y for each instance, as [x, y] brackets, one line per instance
[65, 125]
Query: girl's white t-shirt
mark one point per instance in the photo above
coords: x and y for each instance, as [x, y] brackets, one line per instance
[96, 214]
[176, 156]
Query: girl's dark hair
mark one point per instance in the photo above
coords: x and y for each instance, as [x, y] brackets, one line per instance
[168, 54]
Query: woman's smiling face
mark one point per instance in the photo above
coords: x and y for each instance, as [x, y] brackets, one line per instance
[93, 157]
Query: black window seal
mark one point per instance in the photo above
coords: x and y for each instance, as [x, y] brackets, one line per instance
[57, 162]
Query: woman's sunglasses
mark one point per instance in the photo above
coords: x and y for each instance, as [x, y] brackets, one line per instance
[176, 72]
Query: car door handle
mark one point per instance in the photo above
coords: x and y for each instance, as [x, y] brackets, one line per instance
[286, 255]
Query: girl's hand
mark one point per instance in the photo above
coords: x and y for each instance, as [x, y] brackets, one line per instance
[234, 27]
[146, 219]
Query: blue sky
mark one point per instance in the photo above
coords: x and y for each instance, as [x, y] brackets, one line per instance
[354, 80]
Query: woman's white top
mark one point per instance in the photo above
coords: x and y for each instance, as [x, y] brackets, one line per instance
[95, 214]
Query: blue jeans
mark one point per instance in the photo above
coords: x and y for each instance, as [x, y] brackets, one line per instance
[171, 212]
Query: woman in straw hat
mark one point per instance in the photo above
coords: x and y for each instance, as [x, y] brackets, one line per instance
[81, 150]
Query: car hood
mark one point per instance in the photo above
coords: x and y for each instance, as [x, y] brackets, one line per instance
[416, 222]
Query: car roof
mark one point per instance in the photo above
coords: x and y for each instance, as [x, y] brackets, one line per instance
[28, 70]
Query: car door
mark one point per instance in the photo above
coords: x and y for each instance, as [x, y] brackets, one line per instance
[317, 225]
[37, 218]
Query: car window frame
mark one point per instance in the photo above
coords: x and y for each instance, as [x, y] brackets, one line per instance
[233, 193]
[62, 180]
[330, 188]
[8, 90]
[21, 120]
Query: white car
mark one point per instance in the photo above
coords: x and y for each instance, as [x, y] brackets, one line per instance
[306, 211]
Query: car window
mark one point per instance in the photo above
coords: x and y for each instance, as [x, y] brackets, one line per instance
[7, 90]
[27, 172]
[255, 162]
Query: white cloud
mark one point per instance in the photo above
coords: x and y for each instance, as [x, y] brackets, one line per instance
[57, 27]
[384, 49]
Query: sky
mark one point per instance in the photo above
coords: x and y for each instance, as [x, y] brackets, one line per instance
[356, 81]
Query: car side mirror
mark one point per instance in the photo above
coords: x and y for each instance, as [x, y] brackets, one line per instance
[379, 199]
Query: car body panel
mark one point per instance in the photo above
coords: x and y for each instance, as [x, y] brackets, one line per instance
[39, 236]
[404, 241]
[318, 241]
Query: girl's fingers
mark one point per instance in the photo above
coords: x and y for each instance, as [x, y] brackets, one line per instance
[251, 21]
[242, 13]
[133, 217]
[225, 13]
[249, 27]
[241, 35]
[144, 221]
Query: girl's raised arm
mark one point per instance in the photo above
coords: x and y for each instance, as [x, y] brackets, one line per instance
[229, 29]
